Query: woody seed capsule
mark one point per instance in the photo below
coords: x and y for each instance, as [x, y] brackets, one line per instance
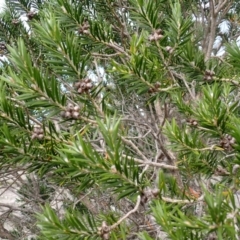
[67, 114]
[40, 136]
[76, 108]
[75, 114]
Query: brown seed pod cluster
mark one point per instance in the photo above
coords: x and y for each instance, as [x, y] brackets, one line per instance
[235, 168]
[3, 46]
[192, 122]
[84, 28]
[227, 142]
[156, 35]
[220, 171]
[104, 231]
[149, 194]
[31, 15]
[71, 112]
[169, 49]
[37, 133]
[15, 21]
[84, 86]
[113, 169]
[208, 76]
[154, 88]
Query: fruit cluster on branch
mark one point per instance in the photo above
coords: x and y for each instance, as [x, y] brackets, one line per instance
[84, 28]
[227, 142]
[208, 76]
[156, 35]
[71, 112]
[38, 132]
[84, 86]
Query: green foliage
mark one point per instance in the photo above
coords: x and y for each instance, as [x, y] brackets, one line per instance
[125, 105]
[172, 216]
[73, 226]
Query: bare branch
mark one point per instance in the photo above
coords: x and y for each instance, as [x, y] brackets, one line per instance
[19, 209]
[170, 200]
[212, 32]
[128, 214]
[147, 162]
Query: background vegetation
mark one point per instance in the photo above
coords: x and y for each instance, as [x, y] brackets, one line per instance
[120, 119]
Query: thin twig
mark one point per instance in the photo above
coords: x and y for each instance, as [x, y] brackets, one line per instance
[146, 163]
[127, 215]
[20, 209]
[170, 200]
[181, 77]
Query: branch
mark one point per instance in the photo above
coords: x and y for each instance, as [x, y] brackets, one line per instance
[221, 6]
[131, 144]
[170, 200]
[12, 208]
[104, 230]
[181, 77]
[147, 163]
[105, 56]
[212, 31]
[154, 164]
[215, 18]
[145, 160]
[127, 215]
